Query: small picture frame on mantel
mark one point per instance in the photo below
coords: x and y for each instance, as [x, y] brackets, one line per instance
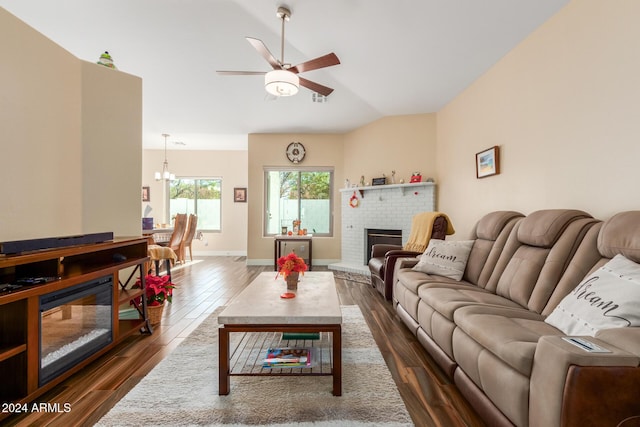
[488, 162]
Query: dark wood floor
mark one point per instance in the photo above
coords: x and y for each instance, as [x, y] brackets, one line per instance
[207, 283]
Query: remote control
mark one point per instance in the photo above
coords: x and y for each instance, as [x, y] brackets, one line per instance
[28, 281]
[586, 345]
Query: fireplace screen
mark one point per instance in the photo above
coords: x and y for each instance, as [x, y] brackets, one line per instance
[377, 236]
[75, 323]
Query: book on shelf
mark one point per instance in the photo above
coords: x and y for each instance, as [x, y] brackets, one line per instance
[287, 357]
[301, 335]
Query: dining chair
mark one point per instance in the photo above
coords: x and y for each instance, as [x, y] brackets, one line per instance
[175, 241]
[187, 240]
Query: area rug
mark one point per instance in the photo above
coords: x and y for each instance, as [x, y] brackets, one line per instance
[182, 390]
[353, 277]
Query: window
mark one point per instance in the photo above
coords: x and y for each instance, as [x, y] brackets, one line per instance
[304, 194]
[199, 196]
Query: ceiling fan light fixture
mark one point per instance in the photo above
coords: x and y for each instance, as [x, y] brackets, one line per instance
[281, 83]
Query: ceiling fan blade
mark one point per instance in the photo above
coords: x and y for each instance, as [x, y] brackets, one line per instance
[327, 60]
[316, 87]
[264, 52]
[240, 73]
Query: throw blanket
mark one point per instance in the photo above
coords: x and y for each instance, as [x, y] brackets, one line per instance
[157, 252]
[421, 229]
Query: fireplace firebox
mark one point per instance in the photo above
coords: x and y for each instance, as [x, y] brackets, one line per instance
[377, 236]
[75, 323]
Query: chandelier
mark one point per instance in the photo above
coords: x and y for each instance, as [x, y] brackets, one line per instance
[165, 174]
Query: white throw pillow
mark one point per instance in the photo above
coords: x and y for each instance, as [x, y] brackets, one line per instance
[608, 298]
[445, 258]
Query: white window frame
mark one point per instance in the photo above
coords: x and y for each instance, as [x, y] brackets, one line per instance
[300, 169]
[197, 178]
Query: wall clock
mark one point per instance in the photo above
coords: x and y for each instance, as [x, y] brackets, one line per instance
[295, 152]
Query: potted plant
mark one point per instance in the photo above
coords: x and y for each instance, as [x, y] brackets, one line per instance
[290, 267]
[158, 290]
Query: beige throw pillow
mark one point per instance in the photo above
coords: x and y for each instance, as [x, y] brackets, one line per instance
[445, 258]
[608, 298]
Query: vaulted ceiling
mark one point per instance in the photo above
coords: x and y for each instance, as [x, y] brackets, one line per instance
[397, 57]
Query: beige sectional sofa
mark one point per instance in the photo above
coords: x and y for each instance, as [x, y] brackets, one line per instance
[490, 331]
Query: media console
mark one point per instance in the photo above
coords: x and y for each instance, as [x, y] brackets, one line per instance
[25, 308]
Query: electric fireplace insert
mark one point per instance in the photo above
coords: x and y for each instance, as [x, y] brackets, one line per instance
[75, 323]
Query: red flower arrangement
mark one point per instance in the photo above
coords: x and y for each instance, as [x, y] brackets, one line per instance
[290, 264]
[159, 289]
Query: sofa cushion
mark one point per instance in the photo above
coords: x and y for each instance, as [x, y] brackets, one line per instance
[492, 224]
[446, 300]
[445, 258]
[532, 272]
[607, 298]
[543, 228]
[619, 235]
[510, 334]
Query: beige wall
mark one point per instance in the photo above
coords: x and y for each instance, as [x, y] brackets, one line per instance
[269, 150]
[563, 107]
[112, 150]
[60, 174]
[231, 166]
[405, 144]
[40, 142]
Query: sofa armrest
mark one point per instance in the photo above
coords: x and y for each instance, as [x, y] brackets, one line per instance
[624, 338]
[380, 250]
[552, 362]
[400, 264]
[390, 262]
[406, 263]
[402, 253]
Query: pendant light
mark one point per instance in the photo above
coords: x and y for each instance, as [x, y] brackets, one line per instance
[165, 174]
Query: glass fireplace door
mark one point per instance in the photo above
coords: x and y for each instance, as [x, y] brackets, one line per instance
[75, 323]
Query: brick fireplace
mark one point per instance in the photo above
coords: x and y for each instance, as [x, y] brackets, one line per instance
[388, 207]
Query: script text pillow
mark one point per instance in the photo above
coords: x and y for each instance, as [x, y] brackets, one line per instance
[445, 258]
[608, 298]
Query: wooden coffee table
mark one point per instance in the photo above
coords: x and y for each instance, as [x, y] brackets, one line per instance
[259, 308]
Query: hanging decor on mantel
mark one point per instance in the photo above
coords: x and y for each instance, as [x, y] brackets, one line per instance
[353, 201]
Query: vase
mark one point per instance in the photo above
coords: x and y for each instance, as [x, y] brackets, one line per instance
[292, 281]
[154, 313]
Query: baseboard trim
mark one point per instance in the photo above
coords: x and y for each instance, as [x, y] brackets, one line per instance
[220, 253]
[318, 262]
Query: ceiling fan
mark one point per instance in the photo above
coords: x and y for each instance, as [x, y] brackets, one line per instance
[284, 80]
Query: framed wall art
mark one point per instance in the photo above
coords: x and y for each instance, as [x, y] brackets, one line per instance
[240, 195]
[146, 194]
[488, 162]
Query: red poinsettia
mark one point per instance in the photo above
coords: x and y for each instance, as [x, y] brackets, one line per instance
[159, 289]
[291, 263]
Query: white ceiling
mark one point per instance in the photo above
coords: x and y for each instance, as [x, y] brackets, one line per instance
[397, 57]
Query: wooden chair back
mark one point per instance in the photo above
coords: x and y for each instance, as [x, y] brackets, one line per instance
[191, 230]
[179, 227]
[188, 237]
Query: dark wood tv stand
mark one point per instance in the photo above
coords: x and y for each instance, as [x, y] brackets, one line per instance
[123, 259]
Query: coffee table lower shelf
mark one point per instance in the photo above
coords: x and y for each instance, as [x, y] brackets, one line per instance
[244, 353]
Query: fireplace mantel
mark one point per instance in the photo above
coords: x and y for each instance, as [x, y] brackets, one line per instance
[402, 187]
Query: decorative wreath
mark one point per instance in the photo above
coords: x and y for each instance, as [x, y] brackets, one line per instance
[353, 201]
